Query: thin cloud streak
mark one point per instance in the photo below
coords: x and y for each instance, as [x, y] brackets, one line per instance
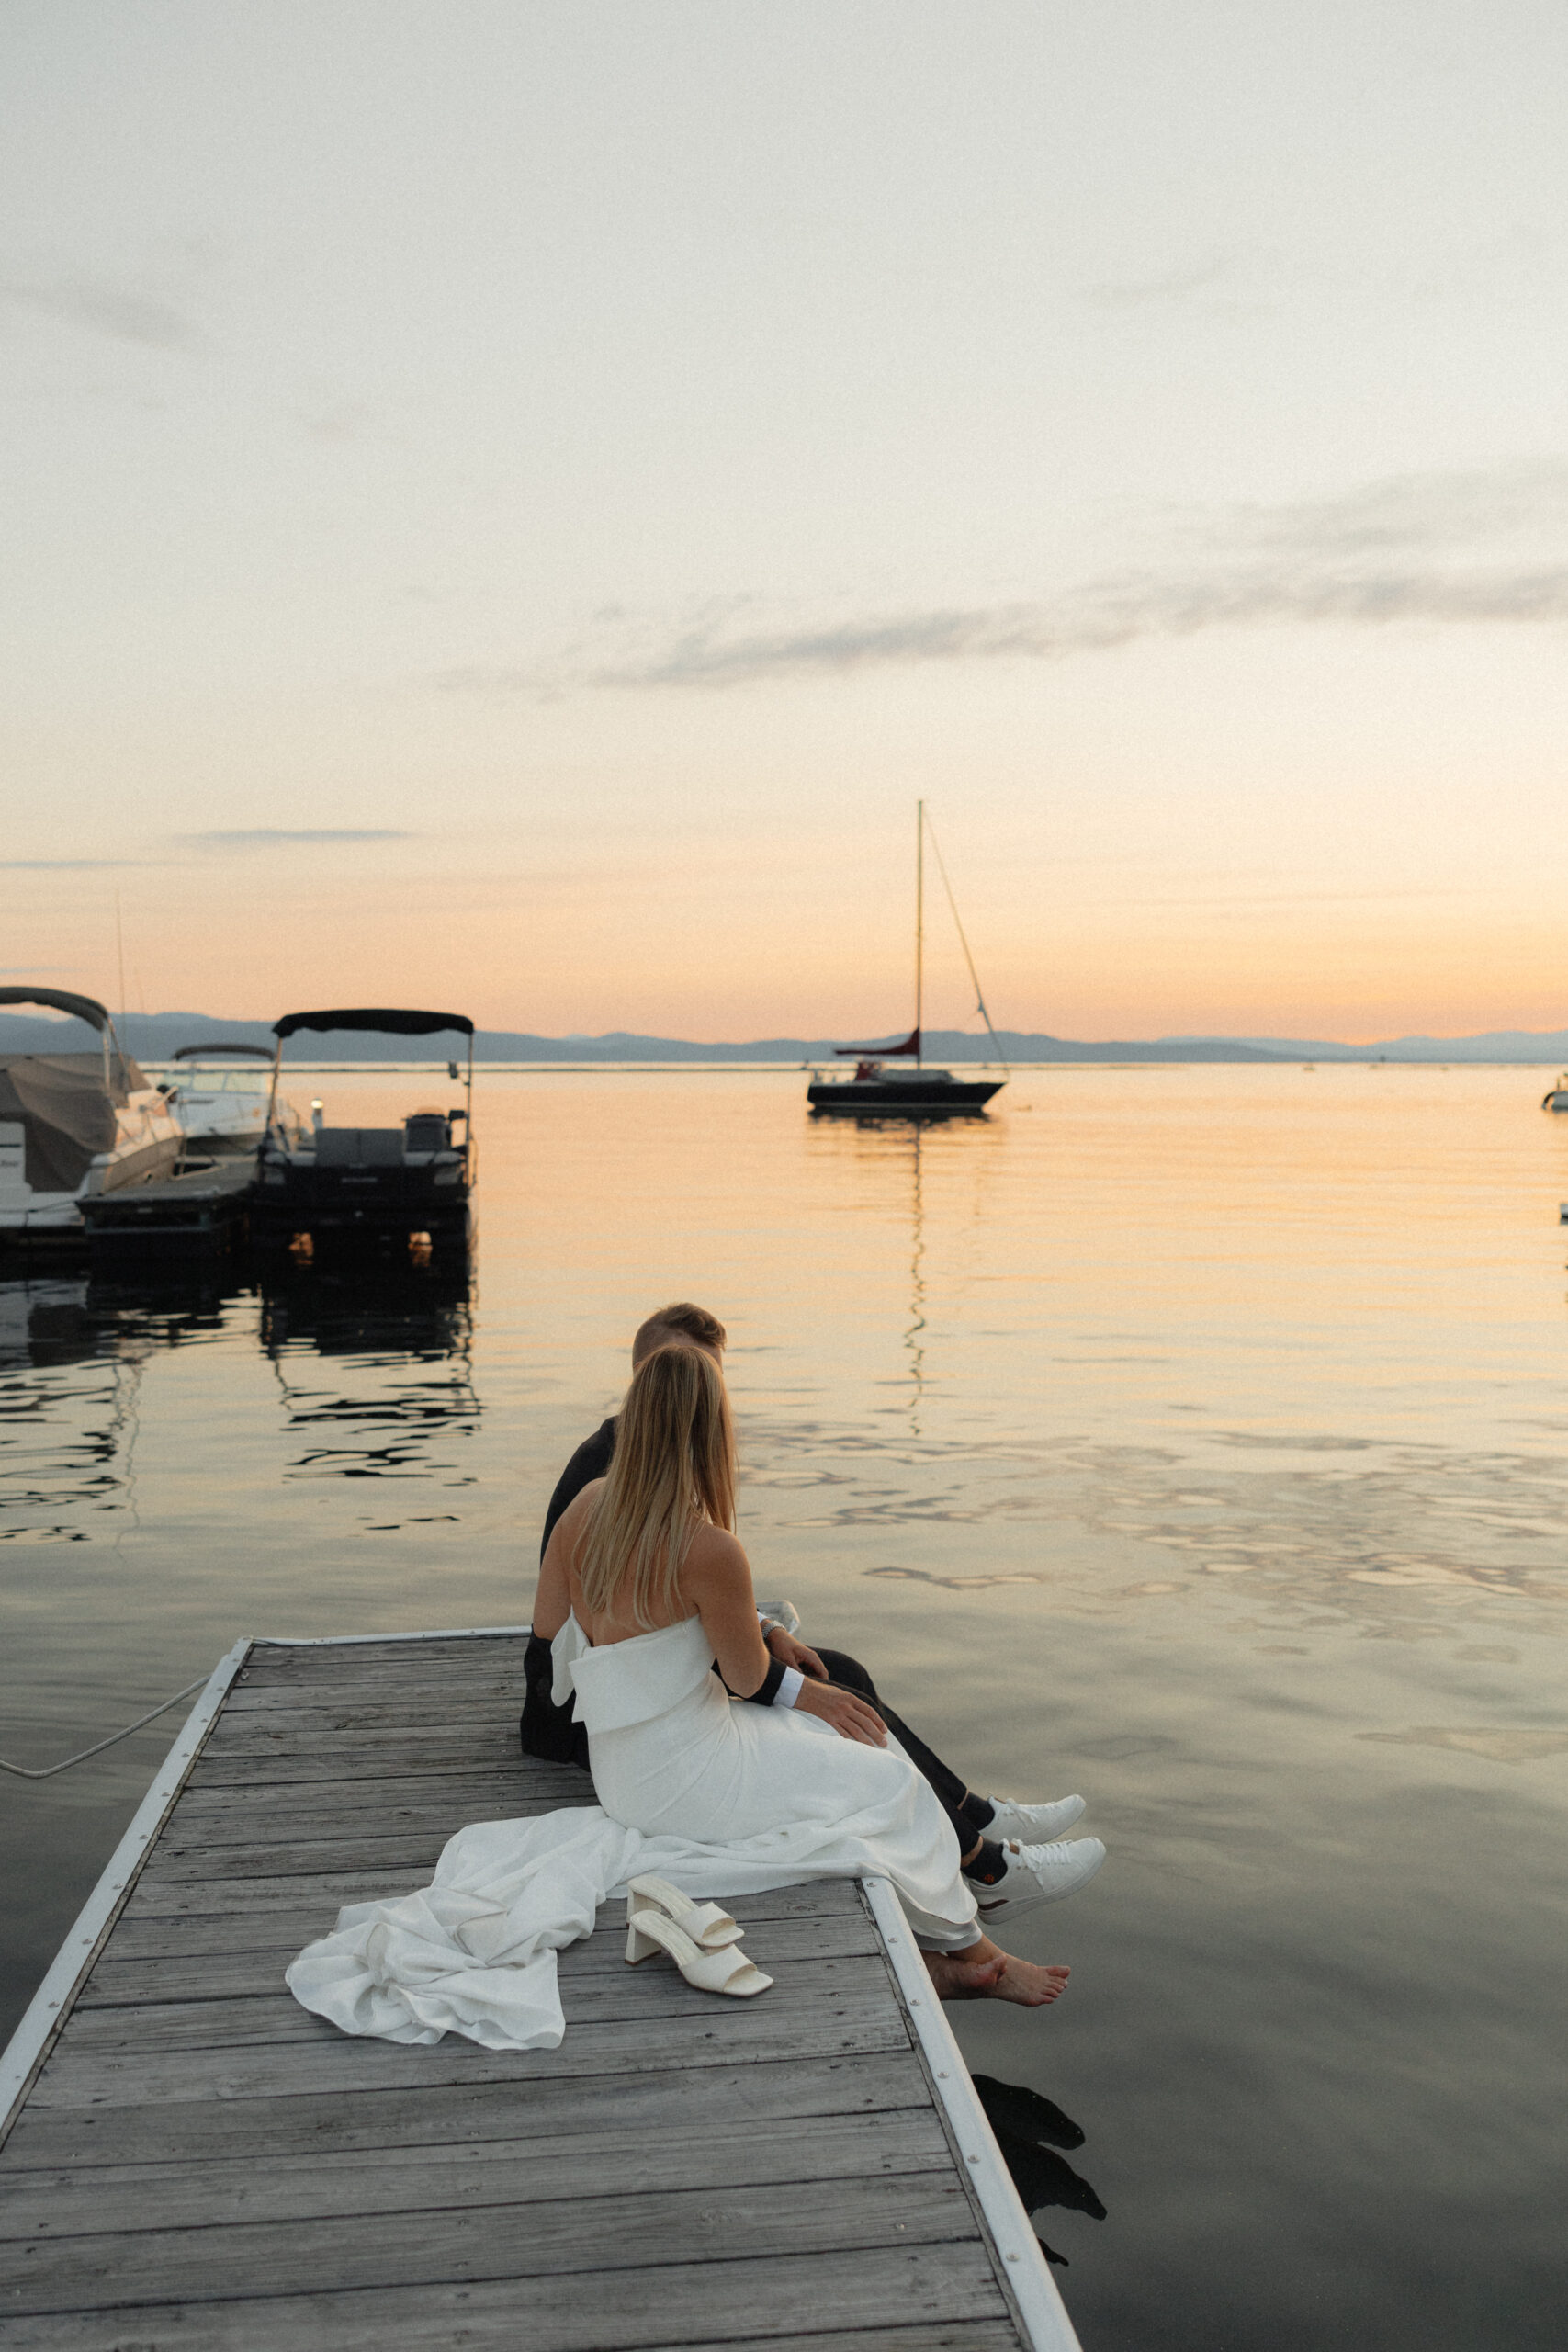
[284, 837]
[105, 309]
[1448, 550]
[1096, 618]
[66, 865]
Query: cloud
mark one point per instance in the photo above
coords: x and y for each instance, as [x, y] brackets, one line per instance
[282, 837]
[1145, 293]
[1408, 511]
[1442, 550]
[105, 309]
[1094, 618]
[63, 864]
[347, 421]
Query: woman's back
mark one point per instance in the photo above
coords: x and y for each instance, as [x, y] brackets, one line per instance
[647, 1546]
[707, 1550]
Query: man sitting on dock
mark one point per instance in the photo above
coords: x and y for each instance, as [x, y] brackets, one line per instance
[996, 1838]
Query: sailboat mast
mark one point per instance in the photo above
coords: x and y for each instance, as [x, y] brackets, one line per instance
[919, 928]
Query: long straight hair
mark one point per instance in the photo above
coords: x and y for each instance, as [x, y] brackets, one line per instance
[674, 1465]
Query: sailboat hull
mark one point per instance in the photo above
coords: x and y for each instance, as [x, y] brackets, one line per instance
[919, 1095]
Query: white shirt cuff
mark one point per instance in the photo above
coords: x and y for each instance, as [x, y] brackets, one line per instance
[790, 1689]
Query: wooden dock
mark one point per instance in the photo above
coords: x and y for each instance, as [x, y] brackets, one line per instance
[190, 2161]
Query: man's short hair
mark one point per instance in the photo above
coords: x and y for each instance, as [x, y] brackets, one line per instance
[682, 1322]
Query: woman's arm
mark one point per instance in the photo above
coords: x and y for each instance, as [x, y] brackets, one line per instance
[716, 1577]
[552, 1601]
[716, 1580]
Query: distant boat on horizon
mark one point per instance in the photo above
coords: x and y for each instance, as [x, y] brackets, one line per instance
[874, 1093]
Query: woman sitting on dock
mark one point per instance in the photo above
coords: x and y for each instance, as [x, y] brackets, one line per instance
[643, 1588]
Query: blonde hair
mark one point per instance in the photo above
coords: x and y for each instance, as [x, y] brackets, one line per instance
[674, 1465]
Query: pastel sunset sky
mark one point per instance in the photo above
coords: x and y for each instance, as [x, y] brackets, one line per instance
[508, 505]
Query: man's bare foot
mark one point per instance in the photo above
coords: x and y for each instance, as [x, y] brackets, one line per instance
[963, 1980]
[1032, 1986]
[982, 1973]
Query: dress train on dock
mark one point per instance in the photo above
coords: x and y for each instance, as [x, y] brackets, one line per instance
[775, 1797]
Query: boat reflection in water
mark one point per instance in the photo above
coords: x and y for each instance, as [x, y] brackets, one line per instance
[374, 1361]
[400, 1398]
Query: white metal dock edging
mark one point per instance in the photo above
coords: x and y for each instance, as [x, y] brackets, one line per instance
[29, 2044]
[1036, 2292]
[342, 1641]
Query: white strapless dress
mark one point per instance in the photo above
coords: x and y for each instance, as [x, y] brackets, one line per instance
[719, 1797]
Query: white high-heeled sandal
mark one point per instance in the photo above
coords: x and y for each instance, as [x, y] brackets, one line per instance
[703, 1922]
[726, 1970]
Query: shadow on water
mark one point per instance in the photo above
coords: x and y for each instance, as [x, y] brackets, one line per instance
[1031, 2129]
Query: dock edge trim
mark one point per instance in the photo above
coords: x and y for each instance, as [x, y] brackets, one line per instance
[337, 1641]
[1028, 2277]
[51, 2002]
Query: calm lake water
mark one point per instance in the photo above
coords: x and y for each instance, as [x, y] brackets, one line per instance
[1194, 1438]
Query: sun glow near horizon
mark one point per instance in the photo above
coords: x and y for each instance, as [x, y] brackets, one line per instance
[519, 519]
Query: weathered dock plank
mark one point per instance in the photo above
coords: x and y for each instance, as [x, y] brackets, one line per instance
[193, 2161]
[674, 2305]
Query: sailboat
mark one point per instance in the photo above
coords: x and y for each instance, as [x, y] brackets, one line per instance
[918, 1093]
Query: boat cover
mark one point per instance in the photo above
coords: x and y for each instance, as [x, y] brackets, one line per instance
[66, 1112]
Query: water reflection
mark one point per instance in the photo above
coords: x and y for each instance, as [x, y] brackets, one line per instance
[75, 1350]
[913, 1340]
[1029, 2130]
[398, 1339]
[73, 1355]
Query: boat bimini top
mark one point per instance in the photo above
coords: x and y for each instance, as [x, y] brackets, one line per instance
[387, 1021]
[96, 1016]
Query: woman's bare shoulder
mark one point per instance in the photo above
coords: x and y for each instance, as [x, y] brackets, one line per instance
[580, 1504]
[715, 1553]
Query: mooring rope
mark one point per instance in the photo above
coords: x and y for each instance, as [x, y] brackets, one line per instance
[26, 1772]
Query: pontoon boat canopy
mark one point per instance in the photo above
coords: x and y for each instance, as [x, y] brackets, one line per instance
[391, 1023]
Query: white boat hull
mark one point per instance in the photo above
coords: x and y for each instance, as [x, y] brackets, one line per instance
[148, 1144]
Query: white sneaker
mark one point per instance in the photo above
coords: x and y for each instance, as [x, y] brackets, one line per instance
[1033, 1824]
[1039, 1875]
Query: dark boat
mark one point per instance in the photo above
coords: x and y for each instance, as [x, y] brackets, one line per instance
[411, 1183]
[875, 1093]
[918, 1093]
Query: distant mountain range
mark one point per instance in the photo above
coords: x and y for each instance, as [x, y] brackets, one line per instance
[153, 1036]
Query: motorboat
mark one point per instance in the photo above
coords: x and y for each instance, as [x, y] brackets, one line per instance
[220, 1102]
[76, 1125]
[409, 1184]
[876, 1092]
[1556, 1097]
